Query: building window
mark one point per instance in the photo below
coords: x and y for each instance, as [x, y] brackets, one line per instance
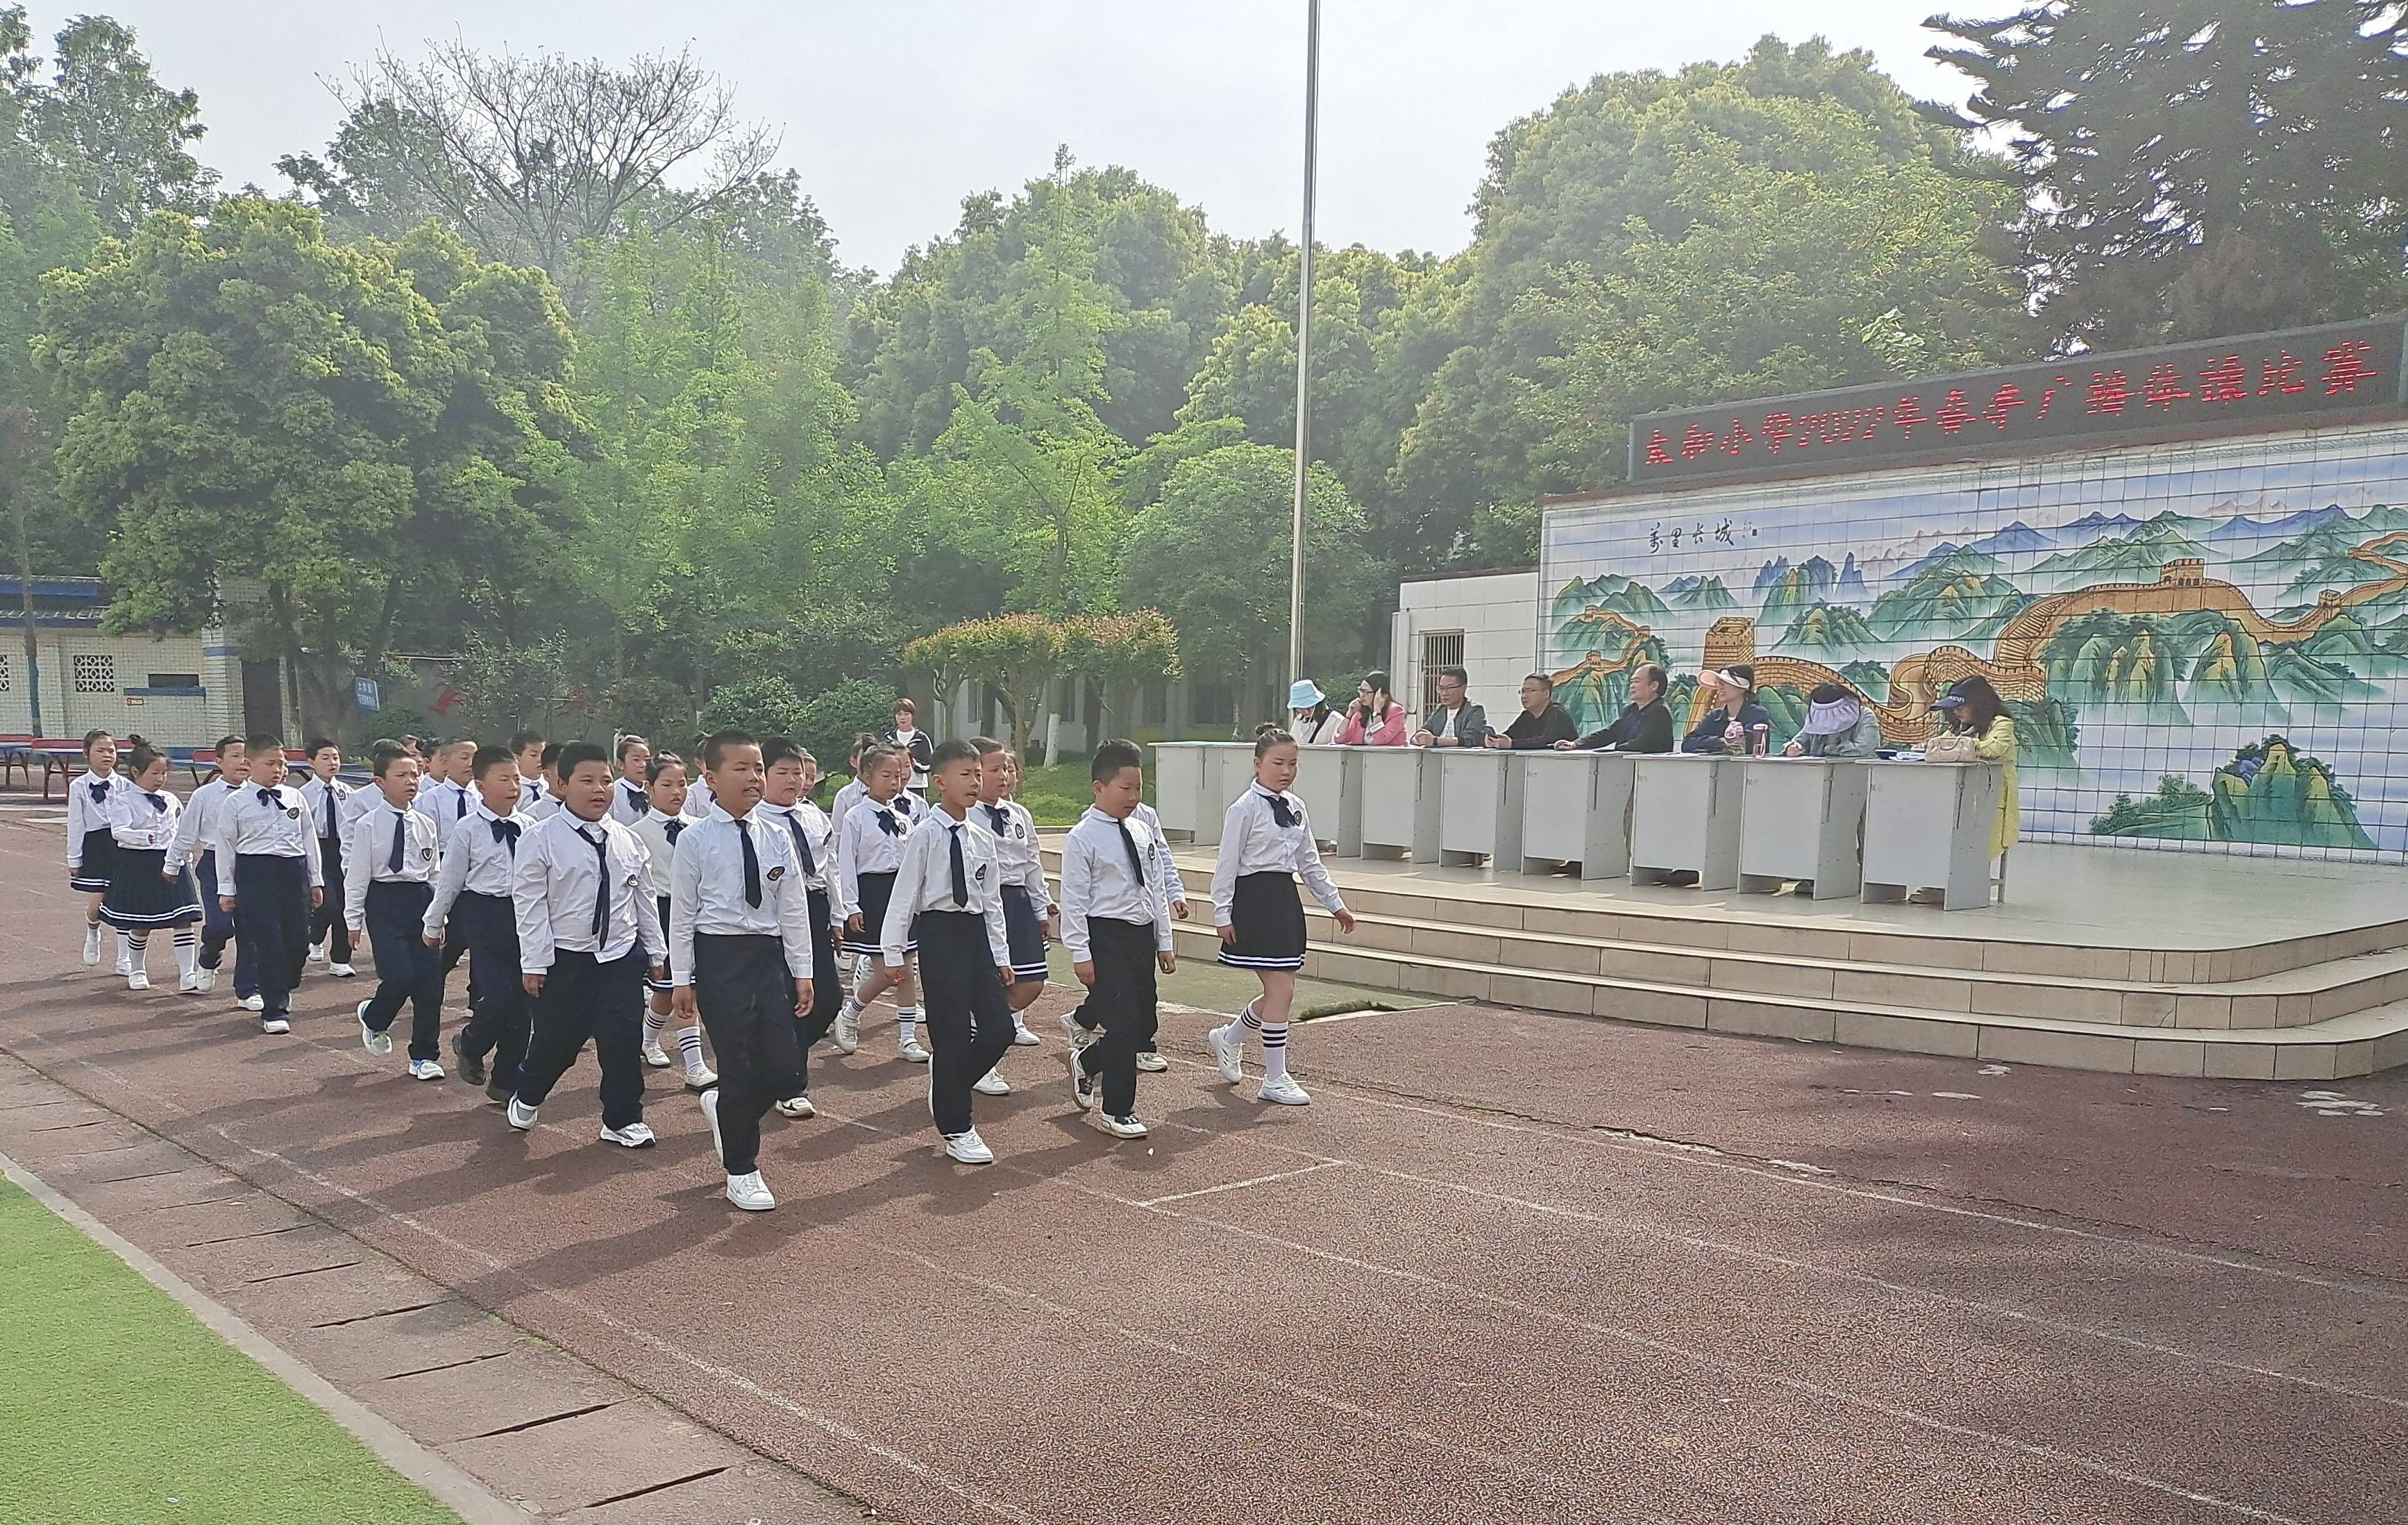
[1213, 704]
[95, 675]
[175, 680]
[1440, 649]
[4, 673]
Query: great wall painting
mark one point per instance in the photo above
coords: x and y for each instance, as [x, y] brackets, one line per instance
[2202, 647]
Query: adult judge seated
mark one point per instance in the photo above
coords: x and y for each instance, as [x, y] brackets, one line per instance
[1455, 721]
[1734, 721]
[1542, 722]
[1838, 725]
[1645, 723]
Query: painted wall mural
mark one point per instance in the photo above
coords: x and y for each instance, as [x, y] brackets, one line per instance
[2205, 646]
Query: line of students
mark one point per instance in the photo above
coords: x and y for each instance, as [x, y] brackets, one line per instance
[535, 860]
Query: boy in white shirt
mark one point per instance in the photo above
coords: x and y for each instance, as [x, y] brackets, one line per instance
[389, 865]
[1116, 927]
[471, 907]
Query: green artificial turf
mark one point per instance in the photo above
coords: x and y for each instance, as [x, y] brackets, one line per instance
[118, 1408]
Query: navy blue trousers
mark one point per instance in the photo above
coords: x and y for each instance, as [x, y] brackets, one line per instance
[408, 971]
[583, 999]
[271, 918]
[217, 930]
[498, 1005]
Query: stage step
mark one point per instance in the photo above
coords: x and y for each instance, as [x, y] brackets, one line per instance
[2357, 1044]
[2305, 1008]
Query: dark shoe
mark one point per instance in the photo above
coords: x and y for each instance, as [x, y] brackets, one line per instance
[499, 1093]
[471, 1067]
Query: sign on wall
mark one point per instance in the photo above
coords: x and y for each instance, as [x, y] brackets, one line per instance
[2305, 376]
[363, 692]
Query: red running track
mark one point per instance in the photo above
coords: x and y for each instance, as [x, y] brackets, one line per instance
[1508, 1267]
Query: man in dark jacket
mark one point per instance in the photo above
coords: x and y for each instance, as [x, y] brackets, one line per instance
[1645, 723]
[1542, 722]
[1455, 722]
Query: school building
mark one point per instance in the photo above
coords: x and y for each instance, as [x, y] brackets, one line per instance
[177, 690]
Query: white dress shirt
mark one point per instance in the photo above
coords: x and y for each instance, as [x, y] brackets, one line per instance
[326, 798]
[531, 794]
[807, 831]
[1253, 842]
[863, 846]
[629, 803]
[554, 883]
[253, 825]
[474, 861]
[707, 891]
[924, 882]
[1016, 861]
[1165, 868]
[356, 804]
[1097, 881]
[367, 853]
[136, 823]
[444, 802]
[652, 828]
[545, 806]
[699, 796]
[852, 793]
[196, 829]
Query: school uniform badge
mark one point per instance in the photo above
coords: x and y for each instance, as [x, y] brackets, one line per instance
[776, 873]
[293, 811]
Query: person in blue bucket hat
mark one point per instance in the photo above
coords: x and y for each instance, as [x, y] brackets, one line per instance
[1314, 722]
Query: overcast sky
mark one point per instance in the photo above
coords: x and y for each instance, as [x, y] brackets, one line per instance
[893, 110]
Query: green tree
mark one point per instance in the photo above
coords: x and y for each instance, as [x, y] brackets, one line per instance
[2195, 167]
[1018, 656]
[287, 430]
[121, 138]
[1651, 240]
[1121, 652]
[1212, 554]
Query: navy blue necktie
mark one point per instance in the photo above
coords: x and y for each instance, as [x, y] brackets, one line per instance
[1137, 862]
[158, 802]
[400, 830]
[888, 824]
[460, 808]
[752, 863]
[638, 801]
[1279, 811]
[676, 828]
[269, 797]
[601, 885]
[961, 875]
[802, 845]
[996, 819]
[508, 831]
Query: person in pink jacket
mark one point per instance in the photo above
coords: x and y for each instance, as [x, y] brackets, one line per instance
[1375, 719]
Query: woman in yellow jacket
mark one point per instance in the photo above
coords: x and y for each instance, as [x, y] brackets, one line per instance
[1974, 709]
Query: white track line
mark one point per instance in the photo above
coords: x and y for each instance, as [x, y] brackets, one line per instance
[1239, 1185]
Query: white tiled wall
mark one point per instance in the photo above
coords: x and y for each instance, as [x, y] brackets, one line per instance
[170, 721]
[1498, 615]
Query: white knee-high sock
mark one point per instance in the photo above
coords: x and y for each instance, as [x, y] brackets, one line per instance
[907, 1020]
[689, 1049]
[130, 946]
[188, 950]
[655, 1024]
[1274, 1050]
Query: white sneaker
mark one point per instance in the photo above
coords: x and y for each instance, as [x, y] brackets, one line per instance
[1078, 1036]
[124, 967]
[205, 977]
[1152, 1062]
[910, 1051]
[632, 1136]
[1119, 1127]
[253, 1004]
[656, 1056]
[342, 972]
[710, 1101]
[138, 979]
[846, 1034]
[1229, 1046]
[1083, 1085]
[317, 955]
[425, 1070]
[91, 943]
[1020, 1036]
[1284, 1090]
[378, 1044]
[518, 1114]
[275, 1027]
[797, 1106]
[992, 1084]
[751, 1193]
[968, 1148]
[702, 1079]
[190, 983]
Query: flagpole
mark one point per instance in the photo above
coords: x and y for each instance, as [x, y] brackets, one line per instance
[1304, 342]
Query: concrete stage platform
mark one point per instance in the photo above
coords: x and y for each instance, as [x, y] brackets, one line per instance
[2135, 962]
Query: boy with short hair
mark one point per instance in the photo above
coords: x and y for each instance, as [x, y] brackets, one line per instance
[271, 876]
[551, 785]
[389, 865]
[740, 957]
[194, 846]
[527, 747]
[1116, 925]
[326, 793]
[471, 906]
[785, 777]
[587, 932]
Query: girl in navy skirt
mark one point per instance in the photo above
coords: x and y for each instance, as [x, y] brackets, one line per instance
[1264, 844]
[664, 821]
[89, 843]
[143, 896]
[868, 851]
